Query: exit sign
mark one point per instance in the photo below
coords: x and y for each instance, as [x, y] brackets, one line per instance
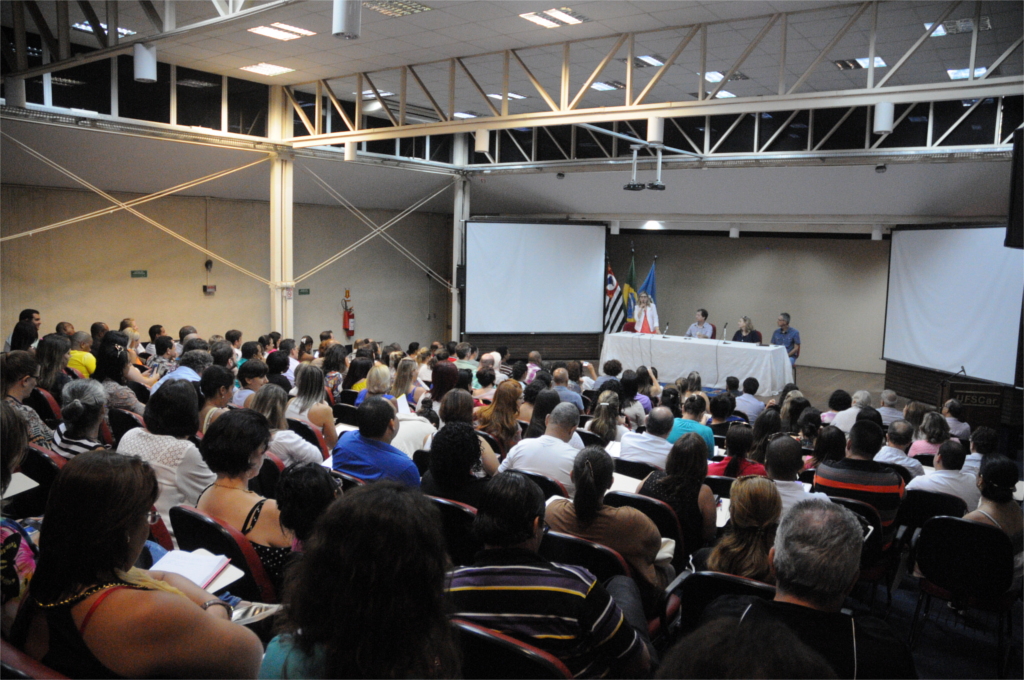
[303, 291]
[140, 274]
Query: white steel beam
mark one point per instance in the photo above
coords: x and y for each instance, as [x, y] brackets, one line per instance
[920, 41]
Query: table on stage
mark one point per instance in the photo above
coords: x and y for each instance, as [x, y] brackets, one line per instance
[676, 356]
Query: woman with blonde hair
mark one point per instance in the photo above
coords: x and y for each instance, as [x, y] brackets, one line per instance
[746, 332]
[500, 418]
[404, 388]
[289, 446]
[378, 382]
[607, 422]
[310, 402]
[934, 432]
[754, 510]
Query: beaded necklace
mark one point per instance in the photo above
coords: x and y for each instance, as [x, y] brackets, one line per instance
[87, 593]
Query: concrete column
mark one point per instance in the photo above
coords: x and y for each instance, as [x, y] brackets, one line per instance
[460, 213]
[282, 315]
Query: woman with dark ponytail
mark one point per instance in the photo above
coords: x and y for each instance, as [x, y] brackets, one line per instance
[626, 530]
[738, 441]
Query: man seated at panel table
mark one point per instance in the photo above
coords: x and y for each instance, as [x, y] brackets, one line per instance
[701, 328]
[652, 446]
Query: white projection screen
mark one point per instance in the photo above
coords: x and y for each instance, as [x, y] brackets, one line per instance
[534, 278]
[955, 300]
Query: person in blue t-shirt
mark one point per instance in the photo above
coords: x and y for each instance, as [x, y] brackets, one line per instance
[368, 453]
[693, 407]
[787, 337]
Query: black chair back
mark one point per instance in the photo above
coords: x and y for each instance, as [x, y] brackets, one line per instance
[348, 482]
[903, 472]
[869, 518]
[634, 469]
[348, 397]
[589, 438]
[920, 506]
[599, 560]
[550, 487]
[457, 527]
[345, 413]
[304, 430]
[488, 654]
[265, 483]
[584, 419]
[41, 466]
[492, 442]
[121, 421]
[969, 559]
[720, 486]
[927, 459]
[720, 430]
[807, 476]
[194, 529]
[588, 404]
[43, 403]
[701, 588]
[142, 392]
[590, 395]
[422, 459]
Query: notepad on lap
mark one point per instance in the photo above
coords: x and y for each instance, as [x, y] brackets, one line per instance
[199, 566]
[20, 482]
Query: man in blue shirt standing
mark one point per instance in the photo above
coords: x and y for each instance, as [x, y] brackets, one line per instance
[787, 337]
[368, 453]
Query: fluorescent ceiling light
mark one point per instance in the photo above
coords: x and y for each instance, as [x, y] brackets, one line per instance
[275, 33]
[879, 62]
[562, 16]
[393, 8]
[511, 95]
[198, 84]
[954, 26]
[652, 59]
[464, 114]
[855, 64]
[368, 94]
[608, 86]
[652, 224]
[294, 29]
[938, 32]
[723, 94]
[965, 73]
[86, 28]
[714, 76]
[67, 82]
[540, 20]
[267, 69]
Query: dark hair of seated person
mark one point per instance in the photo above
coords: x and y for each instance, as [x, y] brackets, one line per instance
[454, 452]
[445, 377]
[532, 390]
[383, 611]
[870, 414]
[229, 443]
[222, 353]
[303, 493]
[723, 648]
[111, 360]
[373, 417]
[173, 410]
[250, 349]
[465, 381]
[250, 370]
[277, 362]
[840, 400]
[544, 404]
[162, 344]
[457, 407]
[508, 507]
[24, 335]
[829, 446]
[671, 400]
[738, 440]
[519, 370]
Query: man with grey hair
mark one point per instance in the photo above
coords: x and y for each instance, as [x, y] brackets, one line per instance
[550, 454]
[787, 337]
[888, 409]
[190, 367]
[844, 420]
[650, 446]
[898, 439]
[953, 411]
[816, 563]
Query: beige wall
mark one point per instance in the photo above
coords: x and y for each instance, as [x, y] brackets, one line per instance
[834, 289]
[81, 273]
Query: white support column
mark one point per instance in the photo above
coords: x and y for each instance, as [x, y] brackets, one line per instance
[282, 315]
[460, 213]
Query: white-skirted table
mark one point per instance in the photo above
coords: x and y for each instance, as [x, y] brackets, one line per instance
[715, 360]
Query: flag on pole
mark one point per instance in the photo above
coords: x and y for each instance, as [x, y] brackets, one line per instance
[614, 314]
[629, 291]
[649, 285]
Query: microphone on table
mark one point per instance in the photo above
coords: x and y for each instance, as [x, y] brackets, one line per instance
[725, 335]
[664, 333]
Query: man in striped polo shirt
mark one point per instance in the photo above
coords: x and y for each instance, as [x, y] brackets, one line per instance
[859, 477]
[559, 608]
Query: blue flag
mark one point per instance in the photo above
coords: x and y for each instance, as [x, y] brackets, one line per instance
[649, 285]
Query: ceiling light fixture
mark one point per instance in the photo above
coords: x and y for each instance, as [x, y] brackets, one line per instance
[652, 59]
[267, 69]
[86, 28]
[562, 16]
[653, 224]
[393, 8]
[198, 84]
[511, 96]
[368, 94]
[965, 73]
[279, 31]
[465, 114]
[540, 20]
[556, 17]
[347, 19]
[608, 86]
[861, 63]
[66, 82]
[954, 26]
[718, 76]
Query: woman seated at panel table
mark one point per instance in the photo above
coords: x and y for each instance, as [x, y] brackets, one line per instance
[746, 332]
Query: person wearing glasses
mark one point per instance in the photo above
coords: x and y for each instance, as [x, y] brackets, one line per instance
[19, 373]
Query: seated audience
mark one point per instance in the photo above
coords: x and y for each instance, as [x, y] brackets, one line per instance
[859, 477]
[631, 402]
[191, 366]
[561, 609]
[870, 414]
[446, 377]
[218, 388]
[754, 510]
[310, 403]
[25, 337]
[550, 454]
[626, 530]
[607, 420]
[722, 407]
[303, 493]
[498, 419]
[334, 364]
[738, 442]
[90, 614]
[953, 412]
[19, 372]
[18, 557]
[277, 369]
[791, 411]
[838, 401]
[530, 392]
[997, 482]
[949, 476]
[651, 446]
[984, 442]
[545, 403]
[378, 382]
[533, 366]
[290, 349]
[914, 413]
[82, 358]
[457, 407]
[693, 407]
[610, 371]
[172, 418]
[933, 433]
[404, 388]
[251, 377]
[286, 444]
[808, 425]
[454, 462]
[367, 453]
[898, 439]
[845, 419]
[52, 355]
[646, 384]
[233, 449]
[888, 409]
[682, 486]
[163, 361]
[386, 535]
[748, 403]
[816, 562]
[358, 368]
[828, 447]
[85, 405]
[485, 378]
[783, 463]
[560, 384]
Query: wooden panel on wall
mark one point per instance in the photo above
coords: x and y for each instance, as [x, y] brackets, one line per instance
[923, 384]
[550, 345]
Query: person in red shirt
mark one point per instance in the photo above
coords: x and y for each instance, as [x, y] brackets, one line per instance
[738, 441]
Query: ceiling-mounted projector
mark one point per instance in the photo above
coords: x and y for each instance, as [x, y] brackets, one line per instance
[656, 186]
[636, 186]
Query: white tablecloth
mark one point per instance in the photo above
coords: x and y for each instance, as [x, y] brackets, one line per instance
[676, 356]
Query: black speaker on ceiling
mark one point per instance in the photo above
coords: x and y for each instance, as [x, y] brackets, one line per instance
[1015, 221]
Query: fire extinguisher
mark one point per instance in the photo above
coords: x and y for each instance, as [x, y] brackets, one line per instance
[348, 319]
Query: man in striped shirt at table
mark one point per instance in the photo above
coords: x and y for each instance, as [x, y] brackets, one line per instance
[559, 608]
[859, 477]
